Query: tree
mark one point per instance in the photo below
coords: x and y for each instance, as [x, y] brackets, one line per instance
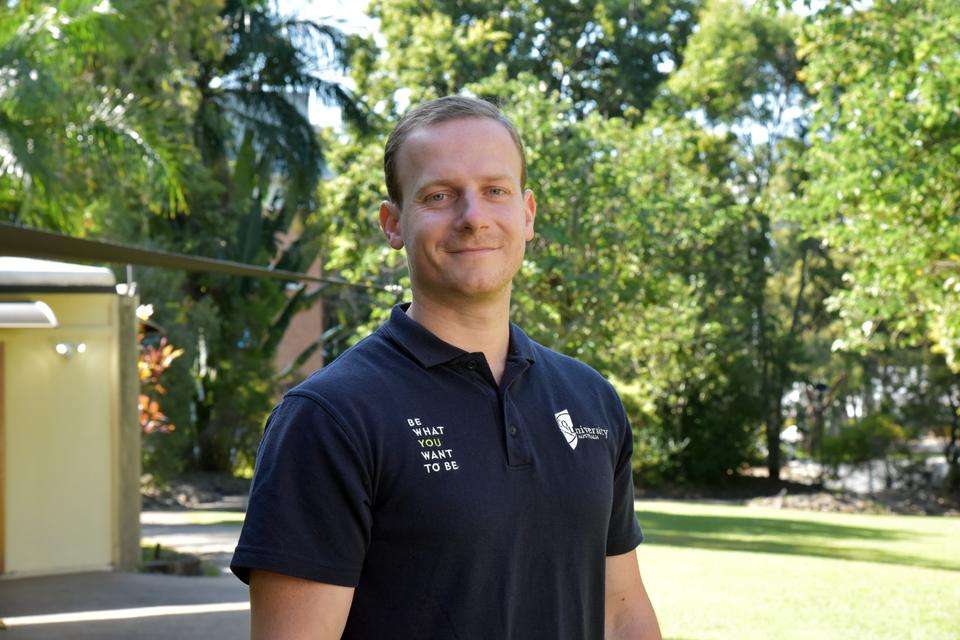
[642, 265]
[89, 108]
[262, 163]
[883, 164]
[603, 56]
[741, 75]
[175, 126]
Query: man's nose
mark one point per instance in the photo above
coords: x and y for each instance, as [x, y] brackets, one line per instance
[473, 214]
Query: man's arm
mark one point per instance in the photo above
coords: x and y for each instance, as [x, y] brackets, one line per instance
[628, 614]
[287, 608]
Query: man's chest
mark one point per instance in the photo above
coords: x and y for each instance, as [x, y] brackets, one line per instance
[452, 466]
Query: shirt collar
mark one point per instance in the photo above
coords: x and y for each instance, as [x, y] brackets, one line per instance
[429, 350]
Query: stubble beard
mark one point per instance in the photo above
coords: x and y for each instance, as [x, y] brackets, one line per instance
[464, 289]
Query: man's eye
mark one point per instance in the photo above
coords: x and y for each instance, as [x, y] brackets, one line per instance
[498, 191]
[435, 197]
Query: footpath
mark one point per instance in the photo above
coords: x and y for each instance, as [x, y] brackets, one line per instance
[138, 605]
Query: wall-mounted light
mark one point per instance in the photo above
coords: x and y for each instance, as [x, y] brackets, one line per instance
[67, 349]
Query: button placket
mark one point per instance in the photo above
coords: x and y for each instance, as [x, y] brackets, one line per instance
[518, 453]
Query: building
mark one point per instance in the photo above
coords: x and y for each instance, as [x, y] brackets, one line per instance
[69, 425]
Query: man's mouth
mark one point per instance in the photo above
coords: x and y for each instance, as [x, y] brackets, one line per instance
[474, 250]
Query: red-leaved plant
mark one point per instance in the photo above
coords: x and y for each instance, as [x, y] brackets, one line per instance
[152, 362]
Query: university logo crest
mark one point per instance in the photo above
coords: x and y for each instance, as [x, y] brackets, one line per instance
[566, 427]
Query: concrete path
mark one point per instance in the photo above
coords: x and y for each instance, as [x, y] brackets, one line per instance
[123, 605]
[135, 605]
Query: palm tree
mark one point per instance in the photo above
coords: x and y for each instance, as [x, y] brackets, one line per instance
[265, 160]
[248, 118]
[176, 125]
[68, 125]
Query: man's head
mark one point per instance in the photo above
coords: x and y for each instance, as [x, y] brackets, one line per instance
[436, 112]
[455, 175]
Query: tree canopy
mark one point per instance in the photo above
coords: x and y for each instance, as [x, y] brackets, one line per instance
[747, 212]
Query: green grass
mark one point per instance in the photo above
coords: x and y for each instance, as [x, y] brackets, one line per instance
[730, 572]
[193, 517]
[717, 571]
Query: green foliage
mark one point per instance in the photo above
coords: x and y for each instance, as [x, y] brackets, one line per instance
[871, 438]
[647, 260]
[90, 103]
[262, 162]
[883, 164]
[777, 210]
[602, 56]
[173, 125]
[739, 64]
[739, 78]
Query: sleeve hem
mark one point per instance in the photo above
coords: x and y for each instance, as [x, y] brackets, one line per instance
[618, 547]
[245, 559]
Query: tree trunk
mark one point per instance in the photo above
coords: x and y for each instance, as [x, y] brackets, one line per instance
[212, 455]
[204, 443]
[816, 433]
[774, 427]
[765, 357]
[952, 449]
[209, 453]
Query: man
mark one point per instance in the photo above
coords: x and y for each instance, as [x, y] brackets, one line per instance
[447, 477]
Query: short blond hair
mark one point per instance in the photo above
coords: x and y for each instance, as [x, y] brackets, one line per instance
[434, 112]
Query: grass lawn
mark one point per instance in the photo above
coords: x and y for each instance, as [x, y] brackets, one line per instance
[718, 571]
[193, 517]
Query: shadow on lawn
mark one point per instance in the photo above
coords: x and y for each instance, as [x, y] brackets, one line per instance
[797, 537]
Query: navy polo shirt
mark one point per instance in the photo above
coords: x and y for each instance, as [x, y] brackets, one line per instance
[457, 507]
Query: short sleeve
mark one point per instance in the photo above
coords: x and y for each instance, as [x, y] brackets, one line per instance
[624, 533]
[309, 512]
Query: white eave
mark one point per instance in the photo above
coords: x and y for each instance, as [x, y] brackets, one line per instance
[30, 272]
[26, 315]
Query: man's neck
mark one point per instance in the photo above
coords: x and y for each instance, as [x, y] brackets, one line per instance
[477, 326]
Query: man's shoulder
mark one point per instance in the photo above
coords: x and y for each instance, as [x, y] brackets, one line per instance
[352, 374]
[570, 370]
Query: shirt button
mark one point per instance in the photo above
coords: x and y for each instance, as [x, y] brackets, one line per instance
[471, 364]
[513, 430]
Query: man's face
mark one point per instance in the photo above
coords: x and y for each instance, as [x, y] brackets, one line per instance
[464, 219]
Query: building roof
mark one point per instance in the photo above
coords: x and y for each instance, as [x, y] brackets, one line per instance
[29, 273]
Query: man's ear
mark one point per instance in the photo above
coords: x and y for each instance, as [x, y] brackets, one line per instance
[529, 213]
[390, 223]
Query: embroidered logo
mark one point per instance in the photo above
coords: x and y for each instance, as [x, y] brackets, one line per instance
[574, 434]
[566, 427]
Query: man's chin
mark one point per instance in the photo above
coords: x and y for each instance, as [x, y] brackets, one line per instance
[474, 291]
[482, 291]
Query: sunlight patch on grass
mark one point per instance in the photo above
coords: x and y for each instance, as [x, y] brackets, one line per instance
[192, 517]
[719, 571]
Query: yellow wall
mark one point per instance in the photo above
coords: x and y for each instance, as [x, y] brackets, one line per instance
[61, 438]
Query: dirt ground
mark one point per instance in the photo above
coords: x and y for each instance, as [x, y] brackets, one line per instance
[798, 489]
